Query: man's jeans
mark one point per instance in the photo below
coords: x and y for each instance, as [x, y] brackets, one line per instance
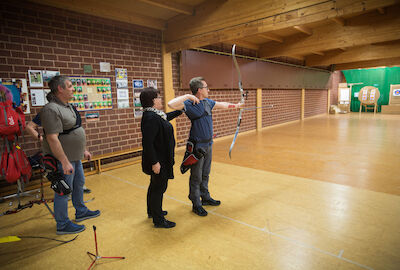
[75, 181]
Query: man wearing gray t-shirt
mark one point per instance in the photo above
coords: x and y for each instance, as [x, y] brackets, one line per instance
[65, 139]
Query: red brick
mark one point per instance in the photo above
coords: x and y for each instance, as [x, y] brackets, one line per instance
[49, 43]
[29, 62]
[14, 61]
[49, 57]
[45, 50]
[35, 56]
[64, 45]
[73, 65]
[46, 63]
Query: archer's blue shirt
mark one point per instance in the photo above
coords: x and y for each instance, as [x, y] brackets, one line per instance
[201, 117]
[36, 120]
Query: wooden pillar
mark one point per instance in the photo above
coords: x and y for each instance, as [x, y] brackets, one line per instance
[169, 92]
[329, 100]
[303, 97]
[259, 109]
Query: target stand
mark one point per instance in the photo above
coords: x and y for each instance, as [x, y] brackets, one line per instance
[97, 257]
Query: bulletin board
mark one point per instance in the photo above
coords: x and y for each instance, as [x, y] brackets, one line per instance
[91, 93]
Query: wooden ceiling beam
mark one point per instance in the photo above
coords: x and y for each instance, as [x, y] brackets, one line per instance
[395, 61]
[358, 31]
[170, 5]
[318, 53]
[271, 36]
[339, 21]
[244, 44]
[297, 57]
[223, 20]
[303, 29]
[365, 53]
[105, 9]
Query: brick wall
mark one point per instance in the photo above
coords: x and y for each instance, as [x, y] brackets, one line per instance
[316, 102]
[286, 106]
[336, 78]
[33, 37]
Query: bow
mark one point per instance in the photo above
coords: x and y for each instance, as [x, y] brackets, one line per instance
[241, 99]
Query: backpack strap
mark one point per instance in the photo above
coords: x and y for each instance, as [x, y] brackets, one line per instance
[78, 123]
[204, 114]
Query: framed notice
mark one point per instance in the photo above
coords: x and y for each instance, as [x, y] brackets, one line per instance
[137, 89]
[35, 78]
[91, 93]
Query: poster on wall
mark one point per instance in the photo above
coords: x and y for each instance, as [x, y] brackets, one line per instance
[35, 78]
[38, 97]
[152, 83]
[121, 74]
[48, 74]
[19, 91]
[137, 84]
[121, 79]
[123, 98]
[137, 89]
[91, 93]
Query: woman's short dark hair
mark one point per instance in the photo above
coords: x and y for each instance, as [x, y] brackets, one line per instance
[147, 97]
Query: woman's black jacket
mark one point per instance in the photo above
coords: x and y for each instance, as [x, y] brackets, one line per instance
[158, 143]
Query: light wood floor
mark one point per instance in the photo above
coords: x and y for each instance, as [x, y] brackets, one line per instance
[311, 195]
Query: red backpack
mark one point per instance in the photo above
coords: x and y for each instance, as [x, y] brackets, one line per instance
[10, 168]
[23, 163]
[10, 120]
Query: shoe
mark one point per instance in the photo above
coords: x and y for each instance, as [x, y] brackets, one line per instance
[164, 213]
[87, 191]
[165, 224]
[210, 201]
[87, 215]
[198, 210]
[71, 228]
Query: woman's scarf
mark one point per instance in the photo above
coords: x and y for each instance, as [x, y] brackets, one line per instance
[158, 112]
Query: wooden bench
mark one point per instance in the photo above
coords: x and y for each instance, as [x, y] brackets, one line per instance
[99, 167]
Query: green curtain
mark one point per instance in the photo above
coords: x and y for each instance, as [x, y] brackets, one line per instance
[380, 78]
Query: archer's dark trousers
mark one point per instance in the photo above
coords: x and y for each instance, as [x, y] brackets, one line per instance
[158, 185]
[199, 176]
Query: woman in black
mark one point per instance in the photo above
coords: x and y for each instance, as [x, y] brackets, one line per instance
[158, 153]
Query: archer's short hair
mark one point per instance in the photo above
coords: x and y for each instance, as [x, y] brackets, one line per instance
[56, 81]
[196, 83]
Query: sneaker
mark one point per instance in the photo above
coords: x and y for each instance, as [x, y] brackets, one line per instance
[87, 215]
[86, 190]
[165, 224]
[210, 201]
[71, 228]
[198, 210]
[164, 213]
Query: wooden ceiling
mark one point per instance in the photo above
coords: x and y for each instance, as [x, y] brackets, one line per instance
[342, 34]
